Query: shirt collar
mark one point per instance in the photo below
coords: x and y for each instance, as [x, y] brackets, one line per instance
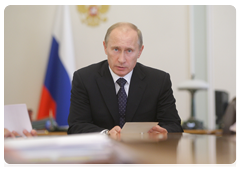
[116, 77]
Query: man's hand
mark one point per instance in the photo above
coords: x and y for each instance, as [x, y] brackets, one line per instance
[8, 134]
[14, 134]
[30, 134]
[157, 129]
[115, 132]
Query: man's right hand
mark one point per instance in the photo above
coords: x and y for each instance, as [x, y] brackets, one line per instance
[115, 132]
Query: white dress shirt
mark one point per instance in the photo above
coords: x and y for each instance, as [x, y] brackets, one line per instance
[126, 77]
[117, 87]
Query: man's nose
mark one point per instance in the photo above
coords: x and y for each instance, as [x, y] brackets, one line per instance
[121, 58]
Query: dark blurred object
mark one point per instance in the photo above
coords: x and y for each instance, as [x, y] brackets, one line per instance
[192, 123]
[221, 103]
[229, 118]
[49, 124]
[30, 113]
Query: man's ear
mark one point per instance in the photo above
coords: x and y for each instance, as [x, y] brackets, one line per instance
[140, 51]
[105, 47]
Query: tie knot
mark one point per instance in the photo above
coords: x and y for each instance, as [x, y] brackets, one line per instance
[121, 82]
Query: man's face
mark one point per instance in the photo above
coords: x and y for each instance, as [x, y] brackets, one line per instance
[122, 50]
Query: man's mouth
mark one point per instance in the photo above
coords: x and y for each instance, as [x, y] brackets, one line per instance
[120, 67]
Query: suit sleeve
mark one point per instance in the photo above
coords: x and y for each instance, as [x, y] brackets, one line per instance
[80, 119]
[167, 113]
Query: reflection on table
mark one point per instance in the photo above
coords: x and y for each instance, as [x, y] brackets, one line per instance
[172, 148]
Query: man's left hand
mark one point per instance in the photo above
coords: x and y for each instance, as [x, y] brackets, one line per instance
[157, 129]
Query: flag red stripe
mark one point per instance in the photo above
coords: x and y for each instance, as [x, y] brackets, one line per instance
[46, 104]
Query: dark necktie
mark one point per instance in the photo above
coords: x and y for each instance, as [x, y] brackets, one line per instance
[122, 100]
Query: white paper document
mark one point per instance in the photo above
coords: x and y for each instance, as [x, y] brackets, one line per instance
[137, 127]
[234, 127]
[16, 118]
[77, 148]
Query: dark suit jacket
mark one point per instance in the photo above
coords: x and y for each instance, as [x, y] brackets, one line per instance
[94, 104]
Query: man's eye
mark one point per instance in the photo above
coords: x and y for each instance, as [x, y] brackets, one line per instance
[115, 49]
[129, 51]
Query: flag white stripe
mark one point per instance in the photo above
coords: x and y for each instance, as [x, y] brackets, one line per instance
[62, 32]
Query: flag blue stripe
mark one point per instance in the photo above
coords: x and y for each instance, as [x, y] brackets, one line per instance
[58, 83]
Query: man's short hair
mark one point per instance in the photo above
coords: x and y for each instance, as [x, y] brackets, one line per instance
[119, 24]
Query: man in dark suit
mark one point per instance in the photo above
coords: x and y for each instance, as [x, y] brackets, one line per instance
[148, 94]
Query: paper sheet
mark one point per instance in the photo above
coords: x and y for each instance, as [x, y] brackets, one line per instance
[234, 127]
[137, 127]
[16, 118]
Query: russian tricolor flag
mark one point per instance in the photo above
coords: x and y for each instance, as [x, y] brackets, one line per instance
[55, 97]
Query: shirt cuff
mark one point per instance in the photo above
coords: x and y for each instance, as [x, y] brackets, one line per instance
[105, 131]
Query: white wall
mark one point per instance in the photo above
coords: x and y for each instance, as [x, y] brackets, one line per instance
[27, 31]
[27, 36]
[224, 48]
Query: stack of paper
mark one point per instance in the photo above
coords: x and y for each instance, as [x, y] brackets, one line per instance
[60, 149]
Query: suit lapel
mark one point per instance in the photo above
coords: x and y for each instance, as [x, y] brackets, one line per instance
[137, 88]
[107, 88]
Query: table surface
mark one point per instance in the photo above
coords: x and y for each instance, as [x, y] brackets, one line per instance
[48, 133]
[180, 148]
[192, 131]
[172, 148]
[204, 131]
